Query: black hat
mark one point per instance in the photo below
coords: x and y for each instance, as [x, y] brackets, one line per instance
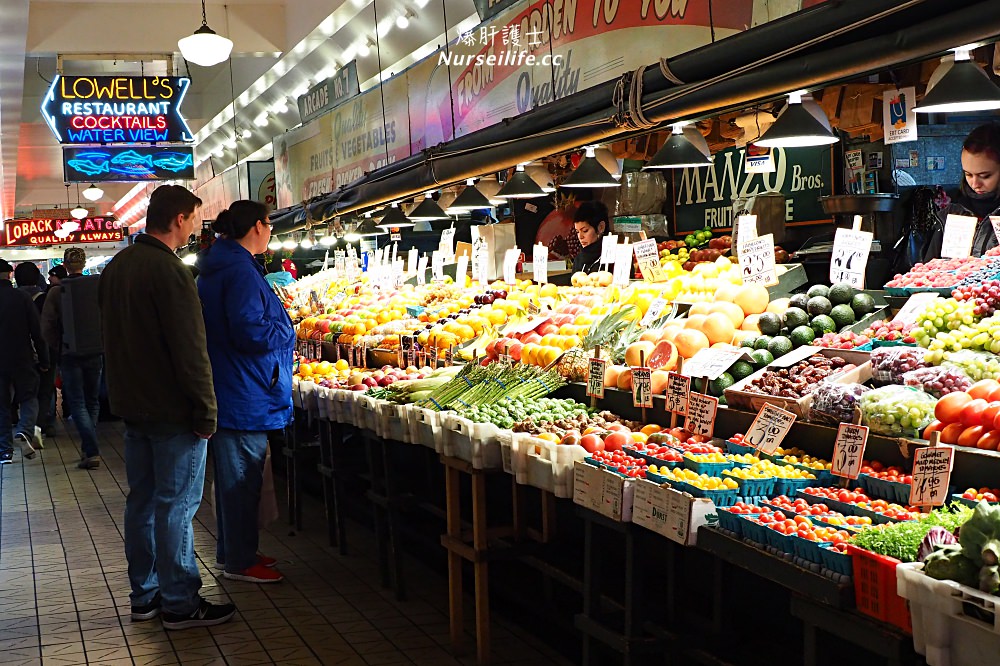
[5, 267]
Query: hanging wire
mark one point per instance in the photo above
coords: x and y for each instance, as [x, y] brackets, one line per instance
[381, 86]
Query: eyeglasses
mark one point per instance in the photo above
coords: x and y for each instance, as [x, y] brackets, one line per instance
[268, 223]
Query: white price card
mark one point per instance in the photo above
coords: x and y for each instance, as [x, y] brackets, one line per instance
[422, 270]
[510, 258]
[712, 362]
[746, 227]
[339, 265]
[995, 221]
[701, 411]
[678, 389]
[623, 265]
[595, 377]
[850, 257]
[653, 313]
[959, 230]
[461, 268]
[412, 257]
[914, 305]
[769, 428]
[648, 258]
[642, 387]
[608, 245]
[437, 266]
[757, 261]
[931, 475]
[540, 263]
[849, 450]
[447, 242]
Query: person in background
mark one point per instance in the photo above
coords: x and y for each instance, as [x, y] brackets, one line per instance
[27, 276]
[56, 275]
[80, 369]
[160, 383]
[277, 276]
[978, 195]
[22, 349]
[592, 223]
[251, 342]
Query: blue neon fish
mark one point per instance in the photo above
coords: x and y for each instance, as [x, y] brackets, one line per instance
[89, 167]
[130, 158]
[173, 161]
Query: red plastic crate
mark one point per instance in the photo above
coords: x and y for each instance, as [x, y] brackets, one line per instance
[875, 588]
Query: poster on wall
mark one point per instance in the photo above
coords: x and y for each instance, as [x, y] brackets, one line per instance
[365, 139]
[303, 162]
[899, 120]
[260, 176]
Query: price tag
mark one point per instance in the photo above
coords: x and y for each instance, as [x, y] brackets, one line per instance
[653, 313]
[412, 257]
[480, 256]
[648, 258]
[678, 388]
[746, 227]
[711, 363]
[850, 256]
[363, 353]
[623, 265]
[608, 245]
[914, 305]
[437, 266]
[533, 308]
[849, 450]
[959, 230]
[422, 270]
[995, 221]
[757, 261]
[339, 265]
[461, 268]
[931, 475]
[595, 378]
[642, 387]
[769, 428]
[510, 258]
[447, 242]
[701, 411]
[540, 263]
[449, 356]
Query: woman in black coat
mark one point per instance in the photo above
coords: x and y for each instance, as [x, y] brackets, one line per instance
[592, 223]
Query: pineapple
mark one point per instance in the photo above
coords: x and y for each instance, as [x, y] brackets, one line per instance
[611, 332]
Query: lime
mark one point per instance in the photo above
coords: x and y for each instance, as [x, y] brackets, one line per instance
[761, 357]
[762, 342]
[802, 335]
[779, 346]
[841, 293]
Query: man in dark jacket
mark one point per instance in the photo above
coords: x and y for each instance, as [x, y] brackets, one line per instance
[160, 382]
[28, 277]
[22, 349]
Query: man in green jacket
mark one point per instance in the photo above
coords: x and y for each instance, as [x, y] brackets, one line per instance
[160, 382]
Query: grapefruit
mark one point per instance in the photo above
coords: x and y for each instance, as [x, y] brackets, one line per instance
[778, 306]
[695, 321]
[750, 324]
[637, 351]
[752, 299]
[669, 332]
[663, 356]
[652, 335]
[611, 374]
[625, 380]
[700, 309]
[689, 342]
[727, 292]
[718, 327]
[658, 382]
[731, 310]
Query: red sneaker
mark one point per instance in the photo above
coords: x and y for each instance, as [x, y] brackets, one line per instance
[266, 561]
[256, 574]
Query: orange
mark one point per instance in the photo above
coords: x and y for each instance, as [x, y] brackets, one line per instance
[731, 310]
[637, 352]
[650, 429]
[639, 437]
[718, 327]
[690, 342]
[549, 436]
[752, 299]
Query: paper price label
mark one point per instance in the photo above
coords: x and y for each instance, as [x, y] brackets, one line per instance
[510, 258]
[746, 227]
[769, 428]
[642, 387]
[757, 261]
[608, 245]
[422, 270]
[914, 305]
[849, 450]
[461, 269]
[931, 475]
[595, 378]
[995, 221]
[447, 242]
[437, 266]
[711, 363]
[653, 313]
[648, 258]
[701, 411]
[540, 264]
[959, 230]
[678, 389]
[412, 257]
[850, 257]
[623, 265]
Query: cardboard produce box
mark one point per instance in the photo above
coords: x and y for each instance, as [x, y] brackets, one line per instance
[602, 491]
[669, 512]
[739, 398]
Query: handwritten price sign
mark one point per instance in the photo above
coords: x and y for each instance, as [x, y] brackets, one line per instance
[931, 475]
[642, 387]
[648, 258]
[757, 261]
[653, 313]
[711, 363]
[849, 450]
[850, 257]
[540, 263]
[678, 388]
[701, 414]
[595, 378]
[959, 231]
[769, 428]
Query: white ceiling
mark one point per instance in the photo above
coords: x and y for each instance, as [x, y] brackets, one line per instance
[278, 44]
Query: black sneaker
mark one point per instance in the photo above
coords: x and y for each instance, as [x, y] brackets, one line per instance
[206, 615]
[92, 462]
[146, 611]
[27, 450]
[6, 458]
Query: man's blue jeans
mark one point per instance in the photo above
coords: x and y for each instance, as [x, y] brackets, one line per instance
[24, 383]
[81, 383]
[238, 459]
[166, 477]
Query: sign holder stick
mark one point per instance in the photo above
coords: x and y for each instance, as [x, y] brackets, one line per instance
[593, 398]
[673, 415]
[856, 420]
[935, 441]
[642, 364]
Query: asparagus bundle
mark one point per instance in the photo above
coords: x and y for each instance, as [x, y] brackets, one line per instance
[479, 385]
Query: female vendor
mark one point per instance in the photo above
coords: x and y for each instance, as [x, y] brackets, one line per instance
[979, 194]
[592, 223]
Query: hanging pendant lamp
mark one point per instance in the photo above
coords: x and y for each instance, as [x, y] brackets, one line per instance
[520, 186]
[590, 173]
[368, 228]
[427, 211]
[93, 193]
[962, 86]
[685, 148]
[205, 47]
[800, 123]
[489, 186]
[394, 219]
[470, 199]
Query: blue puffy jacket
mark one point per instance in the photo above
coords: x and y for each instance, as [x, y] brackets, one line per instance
[251, 340]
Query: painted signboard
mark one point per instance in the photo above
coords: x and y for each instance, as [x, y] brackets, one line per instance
[327, 94]
[117, 109]
[53, 231]
[127, 164]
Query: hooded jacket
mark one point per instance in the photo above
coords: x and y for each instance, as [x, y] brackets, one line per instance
[251, 340]
[963, 202]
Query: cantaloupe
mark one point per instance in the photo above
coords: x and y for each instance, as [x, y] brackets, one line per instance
[731, 310]
[752, 299]
[689, 342]
[637, 352]
[718, 327]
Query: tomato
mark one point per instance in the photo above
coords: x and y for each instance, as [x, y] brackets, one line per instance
[949, 407]
[970, 436]
[934, 426]
[950, 433]
[972, 413]
[989, 441]
[592, 443]
[983, 389]
[616, 440]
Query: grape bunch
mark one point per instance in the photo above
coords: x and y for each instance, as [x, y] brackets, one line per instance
[941, 316]
[985, 294]
[983, 335]
[976, 364]
[897, 410]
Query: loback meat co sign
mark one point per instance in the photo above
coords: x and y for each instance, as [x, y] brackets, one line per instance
[703, 197]
[37, 232]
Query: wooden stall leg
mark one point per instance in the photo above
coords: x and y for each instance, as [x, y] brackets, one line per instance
[479, 542]
[454, 525]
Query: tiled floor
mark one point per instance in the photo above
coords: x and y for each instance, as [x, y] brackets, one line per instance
[64, 591]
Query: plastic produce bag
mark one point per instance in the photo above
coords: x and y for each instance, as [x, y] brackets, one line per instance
[897, 411]
[976, 364]
[834, 403]
[889, 364]
[938, 380]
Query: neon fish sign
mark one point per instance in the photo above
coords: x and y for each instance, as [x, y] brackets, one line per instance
[127, 163]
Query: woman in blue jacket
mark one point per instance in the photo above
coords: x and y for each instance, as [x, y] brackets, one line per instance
[250, 343]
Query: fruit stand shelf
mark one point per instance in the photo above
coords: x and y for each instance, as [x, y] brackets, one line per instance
[877, 637]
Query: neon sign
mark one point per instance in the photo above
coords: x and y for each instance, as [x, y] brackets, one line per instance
[37, 232]
[127, 163]
[117, 109]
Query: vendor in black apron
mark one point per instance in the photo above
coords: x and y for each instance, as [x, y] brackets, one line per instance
[592, 223]
[979, 194]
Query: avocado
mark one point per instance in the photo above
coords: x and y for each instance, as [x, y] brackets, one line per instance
[841, 294]
[803, 335]
[719, 385]
[842, 315]
[819, 305]
[862, 304]
[779, 346]
[769, 323]
[740, 370]
[800, 301]
[823, 324]
[795, 317]
[762, 342]
[761, 357]
[818, 290]
[748, 341]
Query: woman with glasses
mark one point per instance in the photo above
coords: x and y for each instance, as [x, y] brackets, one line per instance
[250, 343]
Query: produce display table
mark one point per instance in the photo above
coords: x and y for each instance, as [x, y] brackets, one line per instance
[386, 502]
[331, 438]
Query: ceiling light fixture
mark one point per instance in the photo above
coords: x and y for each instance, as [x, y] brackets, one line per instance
[306, 243]
[261, 120]
[205, 47]
[470, 199]
[540, 174]
[427, 211]
[685, 148]
[394, 219]
[281, 106]
[328, 240]
[93, 193]
[961, 86]
[520, 186]
[801, 123]
[230, 141]
[590, 173]
[403, 20]
[289, 244]
[368, 228]
[274, 245]
[489, 186]
[245, 133]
